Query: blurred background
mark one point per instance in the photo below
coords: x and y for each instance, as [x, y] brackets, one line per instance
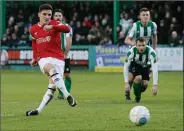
[98, 27]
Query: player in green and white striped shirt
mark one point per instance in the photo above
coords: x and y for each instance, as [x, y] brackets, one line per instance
[66, 41]
[144, 28]
[136, 64]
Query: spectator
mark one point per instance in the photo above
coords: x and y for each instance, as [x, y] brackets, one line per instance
[20, 18]
[105, 20]
[17, 31]
[106, 41]
[167, 16]
[162, 35]
[125, 22]
[108, 31]
[14, 41]
[87, 22]
[174, 39]
[94, 35]
[5, 41]
[121, 39]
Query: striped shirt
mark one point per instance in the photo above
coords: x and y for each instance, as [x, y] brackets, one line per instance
[65, 35]
[138, 30]
[142, 59]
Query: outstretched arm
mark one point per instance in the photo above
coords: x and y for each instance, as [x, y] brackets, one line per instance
[155, 73]
[61, 28]
[57, 28]
[126, 69]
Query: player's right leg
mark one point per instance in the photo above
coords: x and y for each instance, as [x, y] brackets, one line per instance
[136, 70]
[55, 80]
[49, 93]
[137, 87]
[46, 99]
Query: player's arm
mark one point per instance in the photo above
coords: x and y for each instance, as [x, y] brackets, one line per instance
[68, 41]
[61, 28]
[57, 28]
[155, 72]
[126, 68]
[131, 33]
[34, 60]
[154, 37]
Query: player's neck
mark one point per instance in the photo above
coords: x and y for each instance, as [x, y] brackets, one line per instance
[144, 23]
[40, 24]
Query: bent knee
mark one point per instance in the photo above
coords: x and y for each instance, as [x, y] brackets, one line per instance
[67, 75]
[52, 72]
[47, 68]
[145, 84]
[138, 79]
[52, 87]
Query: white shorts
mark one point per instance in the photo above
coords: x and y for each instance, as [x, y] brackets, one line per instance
[58, 64]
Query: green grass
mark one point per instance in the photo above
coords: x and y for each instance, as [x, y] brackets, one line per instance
[101, 104]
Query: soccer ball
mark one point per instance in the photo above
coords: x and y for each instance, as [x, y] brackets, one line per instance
[139, 115]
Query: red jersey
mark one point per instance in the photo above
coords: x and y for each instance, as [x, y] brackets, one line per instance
[47, 44]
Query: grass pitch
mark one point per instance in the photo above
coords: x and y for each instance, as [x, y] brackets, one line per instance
[101, 104]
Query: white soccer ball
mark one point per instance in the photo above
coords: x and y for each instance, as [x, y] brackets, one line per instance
[139, 115]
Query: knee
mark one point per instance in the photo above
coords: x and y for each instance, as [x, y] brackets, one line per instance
[52, 88]
[52, 72]
[47, 68]
[145, 84]
[67, 75]
[138, 79]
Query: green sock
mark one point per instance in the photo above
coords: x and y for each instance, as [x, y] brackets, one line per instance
[142, 87]
[60, 93]
[137, 89]
[68, 83]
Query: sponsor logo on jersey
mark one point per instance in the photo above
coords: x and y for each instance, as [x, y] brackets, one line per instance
[43, 39]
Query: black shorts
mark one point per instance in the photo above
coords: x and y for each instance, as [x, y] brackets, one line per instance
[67, 66]
[137, 69]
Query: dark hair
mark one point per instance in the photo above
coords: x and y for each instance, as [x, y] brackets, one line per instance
[143, 9]
[45, 7]
[140, 39]
[59, 10]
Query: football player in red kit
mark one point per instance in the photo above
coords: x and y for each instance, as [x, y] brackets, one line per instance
[47, 53]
